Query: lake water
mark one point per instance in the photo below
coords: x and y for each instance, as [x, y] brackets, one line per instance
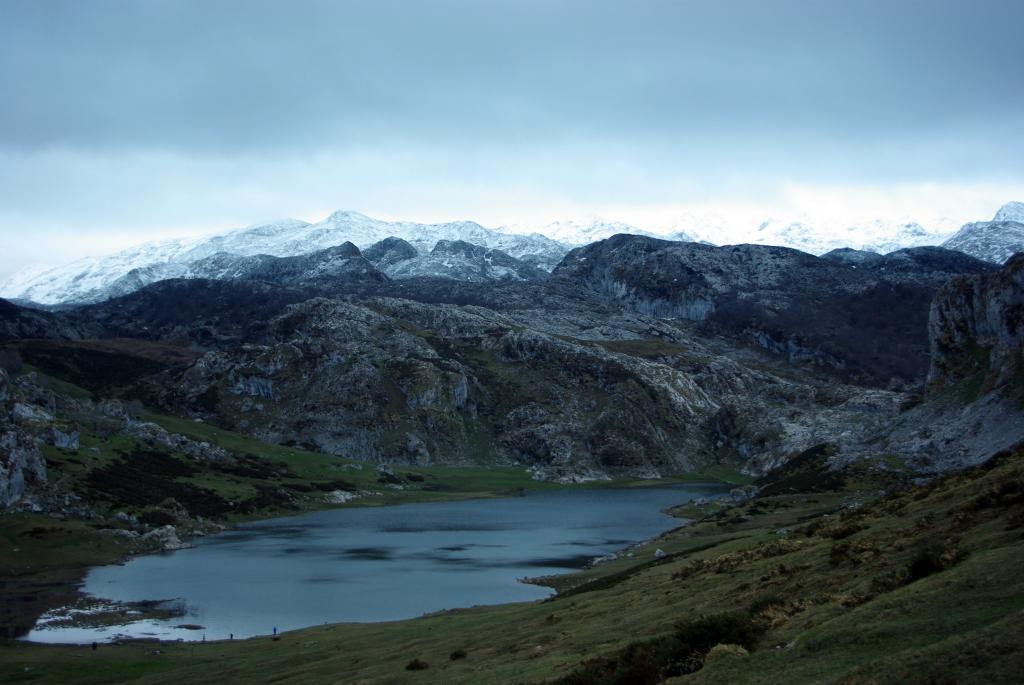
[376, 564]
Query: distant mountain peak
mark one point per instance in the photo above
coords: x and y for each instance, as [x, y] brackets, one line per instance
[994, 241]
[1011, 211]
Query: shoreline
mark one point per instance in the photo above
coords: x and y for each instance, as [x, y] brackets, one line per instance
[69, 594]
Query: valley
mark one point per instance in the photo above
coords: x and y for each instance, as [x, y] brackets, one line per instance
[511, 343]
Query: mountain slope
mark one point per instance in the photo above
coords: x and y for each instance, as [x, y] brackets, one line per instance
[452, 259]
[931, 265]
[96, 279]
[869, 328]
[994, 241]
[448, 384]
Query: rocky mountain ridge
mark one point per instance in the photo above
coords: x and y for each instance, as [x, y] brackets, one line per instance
[994, 241]
[92, 280]
[868, 322]
[453, 259]
[974, 404]
[96, 279]
[637, 356]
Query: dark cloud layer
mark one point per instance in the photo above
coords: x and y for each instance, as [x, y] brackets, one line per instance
[243, 76]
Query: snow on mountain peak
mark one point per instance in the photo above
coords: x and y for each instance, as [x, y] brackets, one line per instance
[541, 245]
[1011, 211]
[578, 231]
[97, 278]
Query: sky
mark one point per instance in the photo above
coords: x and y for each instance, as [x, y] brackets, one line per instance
[125, 121]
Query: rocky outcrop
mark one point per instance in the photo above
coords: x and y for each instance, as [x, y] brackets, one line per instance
[22, 322]
[977, 329]
[852, 257]
[975, 404]
[870, 329]
[450, 259]
[921, 265]
[390, 252]
[21, 465]
[393, 380]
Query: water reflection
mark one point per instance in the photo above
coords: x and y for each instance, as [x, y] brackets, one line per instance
[376, 564]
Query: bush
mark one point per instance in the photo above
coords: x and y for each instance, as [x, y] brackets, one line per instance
[157, 518]
[931, 560]
[457, 654]
[417, 665]
[766, 602]
[680, 653]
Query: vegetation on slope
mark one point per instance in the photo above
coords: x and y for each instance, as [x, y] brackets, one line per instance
[841, 586]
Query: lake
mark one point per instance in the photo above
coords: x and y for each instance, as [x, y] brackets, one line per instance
[376, 563]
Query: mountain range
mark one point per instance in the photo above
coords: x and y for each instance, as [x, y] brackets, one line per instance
[516, 252]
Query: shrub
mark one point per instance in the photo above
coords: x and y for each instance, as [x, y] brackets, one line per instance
[457, 654]
[723, 651]
[765, 602]
[417, 665]
[931, 560]
[157, 517]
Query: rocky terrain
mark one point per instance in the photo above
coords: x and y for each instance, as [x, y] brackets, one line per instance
[865, 320]
[974, 401]
[453, 259]
[637, 357]
[994, 241]
[924, 265]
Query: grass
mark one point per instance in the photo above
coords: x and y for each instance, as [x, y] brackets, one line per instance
[41, 560]
[116, 474]
[842, 606]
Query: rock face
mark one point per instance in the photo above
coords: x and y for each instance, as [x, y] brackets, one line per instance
[977, 329]
[22, 466]
[975, 404]
[394, 380]
[993, 241]
[866, 324]
[390, 252]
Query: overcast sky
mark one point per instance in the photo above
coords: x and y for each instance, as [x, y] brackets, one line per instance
[125, 121]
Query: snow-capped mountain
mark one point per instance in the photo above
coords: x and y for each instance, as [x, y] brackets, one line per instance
[874, 236]
[1011, 211]
[539, 246]
[818, 238]
[93, 279]
[87, 279]
[994, 241]
[584, 231]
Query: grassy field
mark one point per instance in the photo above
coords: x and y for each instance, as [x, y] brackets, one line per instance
[923, 586]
